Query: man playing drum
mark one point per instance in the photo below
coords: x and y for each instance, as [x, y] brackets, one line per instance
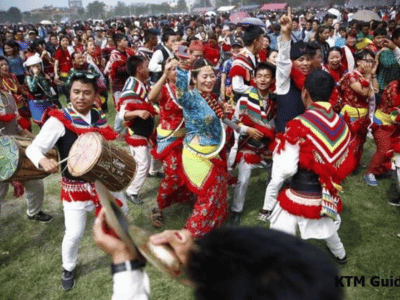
[78, 196]
[34, 188]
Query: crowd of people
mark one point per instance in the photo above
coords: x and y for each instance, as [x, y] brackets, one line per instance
[300, 94]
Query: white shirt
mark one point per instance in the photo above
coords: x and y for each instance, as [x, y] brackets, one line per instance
[131, 285]
[48, 136]
[396, 53]
[285, 165]
[283, 67]
[157, 59]
[238, 85]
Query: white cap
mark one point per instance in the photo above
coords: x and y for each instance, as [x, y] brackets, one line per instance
[226, 27]
[33, 60]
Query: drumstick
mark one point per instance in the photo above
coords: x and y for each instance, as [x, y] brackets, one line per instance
[65, 159]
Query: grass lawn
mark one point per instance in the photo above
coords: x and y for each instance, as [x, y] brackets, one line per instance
[30, 252]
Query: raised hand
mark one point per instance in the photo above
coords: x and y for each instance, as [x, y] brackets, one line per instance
[171, 63]
[286, 23]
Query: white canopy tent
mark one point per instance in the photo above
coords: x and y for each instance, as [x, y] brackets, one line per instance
[226, 8]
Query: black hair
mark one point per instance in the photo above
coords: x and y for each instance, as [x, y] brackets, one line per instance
[312, 48]
[363, 24]
[374, 25]
[380, 31]
[320, 30]
[265, 66]
[361, 54]
[320, 85]
[197, 64]
[254, 263]
[396, 33]
[251, 34]
[36, 43]
[133, 63]
[74, 54]
[87, 78]
[117, 37]
[272, 51]
[167, 33]
[335, 48]
[65, 36]
[4, 58]
[148, 35]
[13, 44]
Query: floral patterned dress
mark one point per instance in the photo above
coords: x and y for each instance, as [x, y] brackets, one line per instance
[355, 107]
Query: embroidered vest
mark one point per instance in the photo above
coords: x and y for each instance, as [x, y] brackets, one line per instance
[325, 158]
[65, 143]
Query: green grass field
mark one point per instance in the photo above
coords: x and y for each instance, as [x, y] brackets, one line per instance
[30, 252]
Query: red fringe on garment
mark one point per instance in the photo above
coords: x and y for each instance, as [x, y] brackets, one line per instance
[136, 141]
[7, 118]
[107, 132]
[218, 169]
[161, 155]
[210, 209]
[25, 124]
[306, 211]
[328, 174]
[249, 158]
[239, 71]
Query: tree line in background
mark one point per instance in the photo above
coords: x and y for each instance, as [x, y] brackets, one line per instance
[97, 10]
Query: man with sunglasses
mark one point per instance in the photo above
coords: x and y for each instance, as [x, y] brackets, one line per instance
[78, 196]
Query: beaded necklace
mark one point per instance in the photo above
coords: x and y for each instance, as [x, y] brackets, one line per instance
[215, 106]
[12, 88]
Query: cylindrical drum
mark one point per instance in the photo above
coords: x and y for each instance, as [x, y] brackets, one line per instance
[14, 165]
[91, 158]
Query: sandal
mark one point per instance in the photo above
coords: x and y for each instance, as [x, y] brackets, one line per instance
[157, 217]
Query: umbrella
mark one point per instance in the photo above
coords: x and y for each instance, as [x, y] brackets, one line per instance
[334, 11]
[211, 13]
[252, 21]
[236, 17]
[46, 22]
[366, 16]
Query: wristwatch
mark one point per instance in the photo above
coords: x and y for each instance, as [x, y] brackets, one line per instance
[128, 265]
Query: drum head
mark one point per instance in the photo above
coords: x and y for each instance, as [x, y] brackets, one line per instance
[84, 153]
[9, 157]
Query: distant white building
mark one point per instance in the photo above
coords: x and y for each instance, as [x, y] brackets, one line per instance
[173, 3]
[75, 3]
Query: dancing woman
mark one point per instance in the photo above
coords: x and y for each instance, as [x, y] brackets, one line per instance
[357, 89]
[203, 162]
[170, 134]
